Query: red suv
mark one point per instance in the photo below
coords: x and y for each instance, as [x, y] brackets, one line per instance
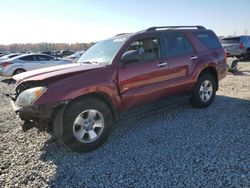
[125, 74]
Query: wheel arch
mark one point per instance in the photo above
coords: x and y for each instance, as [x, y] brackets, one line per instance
[103, 97]
[18, 68]
[211, 70]
[57, 118]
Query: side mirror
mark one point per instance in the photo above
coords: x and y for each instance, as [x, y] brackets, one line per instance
[130, 56]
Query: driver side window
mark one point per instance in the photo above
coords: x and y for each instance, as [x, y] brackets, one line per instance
[148, 49]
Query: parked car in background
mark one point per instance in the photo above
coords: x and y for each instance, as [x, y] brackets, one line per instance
[74, 57]
[64, 53]
[237, 46]
[5, 57]
[27, 62]
[128, 73]
[2, 53]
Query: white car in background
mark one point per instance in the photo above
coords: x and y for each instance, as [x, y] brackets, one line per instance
[3, 58]
[28, 62]
[74, 57]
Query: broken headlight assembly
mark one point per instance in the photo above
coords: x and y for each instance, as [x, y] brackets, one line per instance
[29, 96]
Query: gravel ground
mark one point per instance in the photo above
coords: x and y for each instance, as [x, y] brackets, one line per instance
[174, 147]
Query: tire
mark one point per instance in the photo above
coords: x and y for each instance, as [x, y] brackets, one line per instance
[18, 71]
[204, 91]
[87, 124]
[248, 54]
[234, 66]
[245, 57]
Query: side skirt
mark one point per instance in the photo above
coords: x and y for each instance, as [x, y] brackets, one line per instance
[170, 101]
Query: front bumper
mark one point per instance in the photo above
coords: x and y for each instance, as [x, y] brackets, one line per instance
[33, 112]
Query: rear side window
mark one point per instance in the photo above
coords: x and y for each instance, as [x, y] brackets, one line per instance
[177, 44]
[44, 58]
[230, 40]
[28, 58]
[209, 39]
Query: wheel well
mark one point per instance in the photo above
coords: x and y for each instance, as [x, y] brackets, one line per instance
[213, 72]
[17, 70]
[103, 97]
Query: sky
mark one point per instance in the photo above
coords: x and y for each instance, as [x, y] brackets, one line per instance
[71, 21]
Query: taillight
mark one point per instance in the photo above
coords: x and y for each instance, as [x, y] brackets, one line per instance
[241, 45]
[5, 64]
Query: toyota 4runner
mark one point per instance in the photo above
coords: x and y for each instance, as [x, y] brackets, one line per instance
[122, 75]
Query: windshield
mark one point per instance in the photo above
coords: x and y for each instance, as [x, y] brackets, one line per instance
[102, 52]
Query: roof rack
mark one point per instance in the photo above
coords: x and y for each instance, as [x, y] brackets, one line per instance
[174, 27]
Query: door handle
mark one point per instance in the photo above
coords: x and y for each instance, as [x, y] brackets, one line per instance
[162, 64]
[193, 57]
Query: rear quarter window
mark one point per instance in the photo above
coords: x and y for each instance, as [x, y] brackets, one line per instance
[209, 39]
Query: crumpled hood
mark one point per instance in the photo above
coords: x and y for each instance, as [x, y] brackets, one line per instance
[45, 73]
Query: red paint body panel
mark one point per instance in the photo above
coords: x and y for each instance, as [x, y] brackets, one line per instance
[100, 80]
[45, 73]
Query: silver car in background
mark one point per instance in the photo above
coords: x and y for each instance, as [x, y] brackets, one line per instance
[27, 62]
[4, 57]
[237, 46]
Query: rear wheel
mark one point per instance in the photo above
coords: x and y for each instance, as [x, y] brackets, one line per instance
[204, 92]
[18, 71]
[87, 124]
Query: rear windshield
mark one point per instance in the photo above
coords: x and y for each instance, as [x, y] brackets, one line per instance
[209, 39]
[230, 40]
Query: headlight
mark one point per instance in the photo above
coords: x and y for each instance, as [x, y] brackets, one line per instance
[29, 96]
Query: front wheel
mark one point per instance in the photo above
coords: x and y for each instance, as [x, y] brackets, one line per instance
[87, 124]
[204, 92]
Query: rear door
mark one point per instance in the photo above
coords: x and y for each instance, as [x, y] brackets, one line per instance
[45, 61]
[29, 62]
[181, 59]
[143, 81]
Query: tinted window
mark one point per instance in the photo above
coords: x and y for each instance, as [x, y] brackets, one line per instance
[208, 39]
[230, 40]
[177, 44]
[28, 58]
[148, 49]
[188, 45]
[44, 58]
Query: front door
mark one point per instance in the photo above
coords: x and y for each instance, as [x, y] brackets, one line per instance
[143, 81]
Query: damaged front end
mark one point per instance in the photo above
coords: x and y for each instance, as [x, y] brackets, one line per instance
[24, 104]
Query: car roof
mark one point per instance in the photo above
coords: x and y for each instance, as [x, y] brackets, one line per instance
[25, 55]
